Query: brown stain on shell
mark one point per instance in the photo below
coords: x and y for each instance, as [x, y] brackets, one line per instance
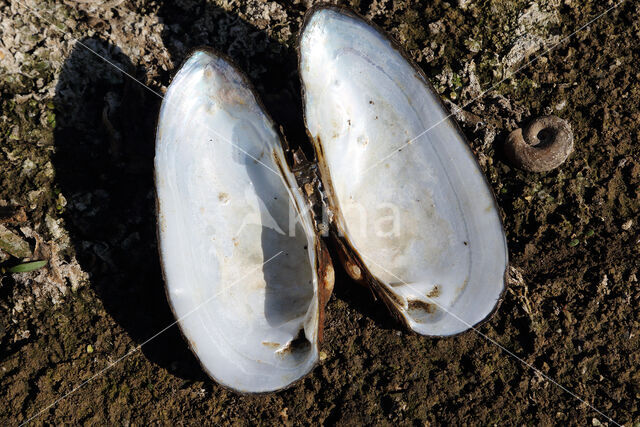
[223, 197]
[435, 292]
[298, 344]
[271, 344]
[418, 305]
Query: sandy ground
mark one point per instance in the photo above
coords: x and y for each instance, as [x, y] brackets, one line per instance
[76, 154]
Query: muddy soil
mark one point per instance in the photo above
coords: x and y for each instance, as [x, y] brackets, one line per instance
[76, 153]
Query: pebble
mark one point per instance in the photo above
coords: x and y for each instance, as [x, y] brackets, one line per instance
[13, 244]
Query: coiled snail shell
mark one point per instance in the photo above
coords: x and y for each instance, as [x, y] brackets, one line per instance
[542, 146]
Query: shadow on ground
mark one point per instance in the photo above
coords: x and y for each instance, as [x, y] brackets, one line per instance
[104, 142]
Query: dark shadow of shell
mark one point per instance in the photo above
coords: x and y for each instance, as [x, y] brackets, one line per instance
[104, 140]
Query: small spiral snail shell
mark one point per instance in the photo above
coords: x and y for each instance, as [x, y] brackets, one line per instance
[542, 146]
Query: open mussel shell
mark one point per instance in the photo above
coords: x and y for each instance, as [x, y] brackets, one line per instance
[246, 274]
[412, 212]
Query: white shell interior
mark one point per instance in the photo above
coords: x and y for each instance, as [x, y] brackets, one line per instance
[239, 266]
[424, 221]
